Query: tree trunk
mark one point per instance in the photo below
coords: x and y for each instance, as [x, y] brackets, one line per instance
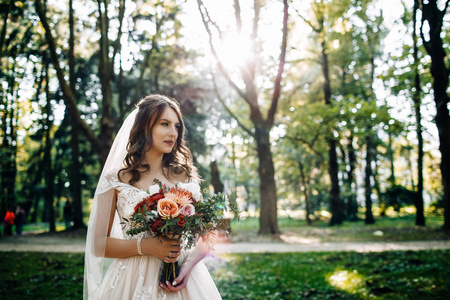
[305, 185]
[268, 223]
[8, 164]
[337, 216]
[105, 72]
[49, 178]
[434, 46]
[5, 15]
[370, 145]
[75, 177]
[367, 184]
[391, 179]
[352, 204]
[420, 216]
[215, 178]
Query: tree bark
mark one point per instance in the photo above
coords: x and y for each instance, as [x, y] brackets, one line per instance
[368, 186]
[215, 178]
[75, 177]
[420, 216]
[337, 216]
[352, 204]
[8, 163]
[49, 176]
[105, 73]
[5, 14]
[305, 185]
[434, 46]
[268, 223]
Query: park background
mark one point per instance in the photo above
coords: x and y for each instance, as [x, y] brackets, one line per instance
[328, 120]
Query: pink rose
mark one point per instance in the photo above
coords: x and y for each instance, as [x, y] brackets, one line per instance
[188, 210]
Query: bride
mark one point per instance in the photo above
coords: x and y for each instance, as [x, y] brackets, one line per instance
[149, 146]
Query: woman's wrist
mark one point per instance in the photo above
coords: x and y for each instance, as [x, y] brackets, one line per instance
[139, 246]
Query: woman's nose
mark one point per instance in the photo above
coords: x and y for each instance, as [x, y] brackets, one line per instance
[174, 131]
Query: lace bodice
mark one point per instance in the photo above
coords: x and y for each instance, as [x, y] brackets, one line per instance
[127, 199]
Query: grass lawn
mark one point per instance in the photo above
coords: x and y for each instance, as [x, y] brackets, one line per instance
[337, 275]
[387, 229]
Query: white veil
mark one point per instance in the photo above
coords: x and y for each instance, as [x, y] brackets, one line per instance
[96, 264]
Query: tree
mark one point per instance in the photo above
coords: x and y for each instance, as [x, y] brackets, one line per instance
[321, 20]
[75, 178]
[100, 135]
[49, 212]
[15, 37]
[250, 94]
[420, 216]
[433, 17]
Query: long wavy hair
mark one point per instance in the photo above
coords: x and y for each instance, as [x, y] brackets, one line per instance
[177, 162]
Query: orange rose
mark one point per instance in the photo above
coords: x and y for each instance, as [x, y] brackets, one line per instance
[182, 221]
[167, 207]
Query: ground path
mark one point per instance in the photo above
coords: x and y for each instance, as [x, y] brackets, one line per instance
[77, 245]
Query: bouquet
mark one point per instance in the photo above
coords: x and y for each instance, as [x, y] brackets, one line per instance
[179, 212]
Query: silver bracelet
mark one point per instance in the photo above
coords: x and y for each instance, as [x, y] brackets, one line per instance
[139, 247]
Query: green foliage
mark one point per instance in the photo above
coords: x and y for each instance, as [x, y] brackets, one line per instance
[437, 207]
[397, 196]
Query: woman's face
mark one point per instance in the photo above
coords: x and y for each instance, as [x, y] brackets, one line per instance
[165, 131]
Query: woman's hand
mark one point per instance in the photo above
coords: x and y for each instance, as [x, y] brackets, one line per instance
[180, 282]
[162, 247]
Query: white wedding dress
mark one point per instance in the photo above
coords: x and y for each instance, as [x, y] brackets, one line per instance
[137, 277]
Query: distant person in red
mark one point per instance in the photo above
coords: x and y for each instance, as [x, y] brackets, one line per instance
[8, 222]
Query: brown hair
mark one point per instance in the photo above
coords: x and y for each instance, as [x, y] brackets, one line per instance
[177, 162]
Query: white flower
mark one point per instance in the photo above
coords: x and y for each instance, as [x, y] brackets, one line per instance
[140, 196]
[153, 189]
[194, 188]
[151, 216]
[128, 211]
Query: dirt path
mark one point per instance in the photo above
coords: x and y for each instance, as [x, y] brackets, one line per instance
[77, 245]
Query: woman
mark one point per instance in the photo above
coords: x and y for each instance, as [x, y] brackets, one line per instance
[149, 145]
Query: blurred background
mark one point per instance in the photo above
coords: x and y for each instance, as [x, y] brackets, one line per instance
[321, 111]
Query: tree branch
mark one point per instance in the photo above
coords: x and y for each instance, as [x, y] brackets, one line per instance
[237, 15]
[117, 44]
[307, 143]
[277, 83]
[228, 109]
[206, 21]
[69, 97]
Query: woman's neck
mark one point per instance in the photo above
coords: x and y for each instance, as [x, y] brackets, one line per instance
[154, 160]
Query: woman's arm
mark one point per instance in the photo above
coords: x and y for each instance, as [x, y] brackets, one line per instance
[199, 252]
[159, 247]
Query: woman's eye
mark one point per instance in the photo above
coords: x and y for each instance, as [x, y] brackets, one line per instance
[165, 124]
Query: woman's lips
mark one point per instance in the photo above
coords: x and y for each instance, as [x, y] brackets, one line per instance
[170, 143]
